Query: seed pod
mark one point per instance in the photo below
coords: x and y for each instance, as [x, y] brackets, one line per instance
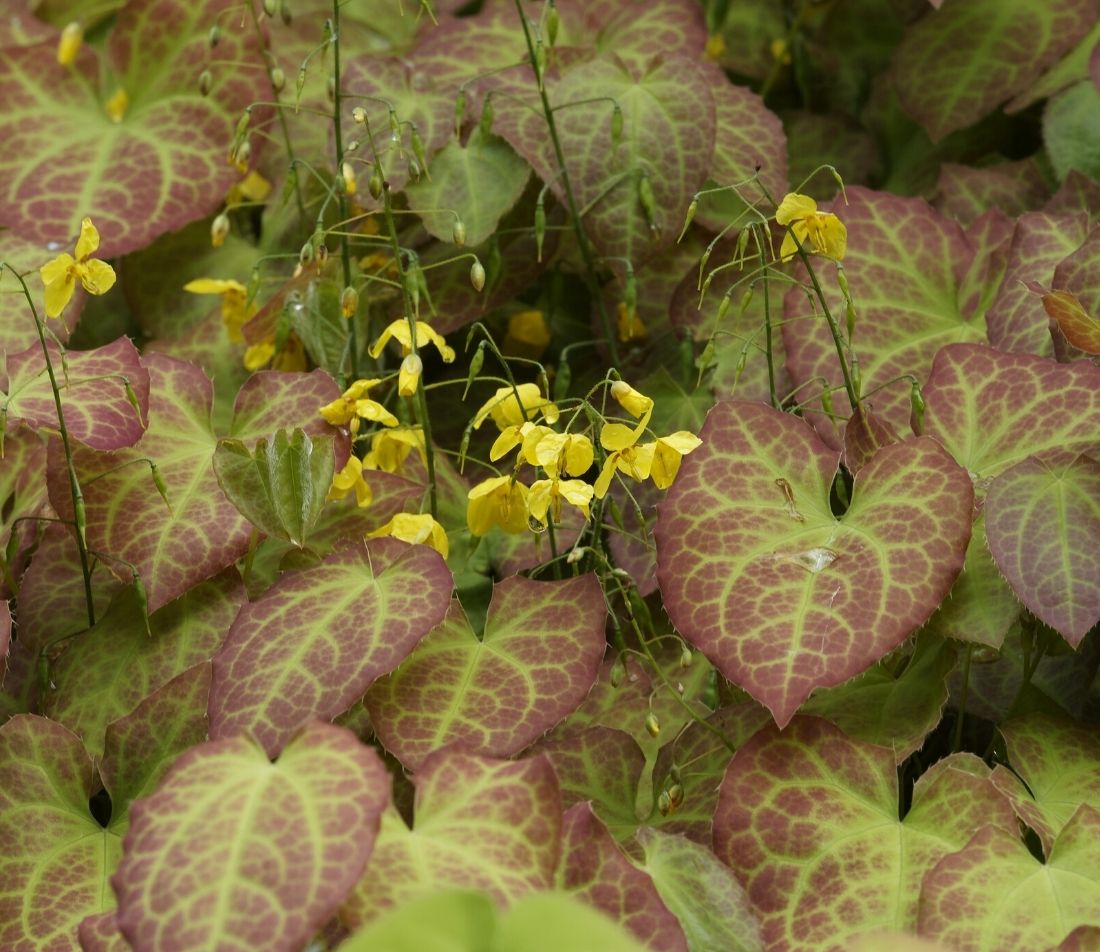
[219, 230]
[463, 447]
[723, 306]
[686, 657]
[158, 481]
[916, 404]
[616, 125]
[460, 109]
[652, 724]
[742, 245]
[243, 156]
[413, 283]
[648, 201]
[359, 114]
[458, 233]
[706, 359]
[142, 600]
[664, 803]
[253, 286]
[395, 127]
[206, 80]
[269, 7]
[299, 85]
[80, 517]
[827, 401]
[374, 183]
[618, 671]
[540, 226]
[689, 218]
[278, 79]
[857, 379]
[414, 169]
[284, 12]
[676, 795]
[214, 36]
[486, 122]
[477, 275]
[540, 62]
[242, 125]
[746, 300]
[562, 379]
[476, 363]
[553, 22]
[418, 148]
[290, 184]
[349, 301]
[131, 397]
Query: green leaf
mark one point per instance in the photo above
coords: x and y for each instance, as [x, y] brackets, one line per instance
[536, 661]
[808, 820]
[267, 851]
[1069, 130]
[479, 824]
[635, 31]
[313, 643]
[281, 485]
[56, 857]
[1080, 328]
[956, 65]
[550, 922]
[965, 192]
[157, 169]
[779, 593]
[480, 181]
[993, 894]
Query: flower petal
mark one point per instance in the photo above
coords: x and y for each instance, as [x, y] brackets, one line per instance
[59, 293]
[57, 269]
[88, 240]
[794, 207]
[97, 276]
[214, 286]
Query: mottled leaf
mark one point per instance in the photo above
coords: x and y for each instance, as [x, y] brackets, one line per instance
[956, 65]
[315, 641]
[537, 659]
[99, 933]
[635, 30]
[1080, 328]
[964, 192]
[54, 856]
[808, 820]
[993, 894]
[275, 400]
[22, 494]
[98, 411]
[479, 824]
[234, 851]
[17, 329]
[783, 596]
[1069, 130]
[990, 409]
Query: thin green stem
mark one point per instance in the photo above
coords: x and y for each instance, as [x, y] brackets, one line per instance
[956, 744]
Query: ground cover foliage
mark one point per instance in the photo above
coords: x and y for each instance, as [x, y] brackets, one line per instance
[595, 475]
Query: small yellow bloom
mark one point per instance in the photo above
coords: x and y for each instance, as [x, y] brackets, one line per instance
[780, 51]
[630, 325]
[347, 173]
[425, 334]
[389, 448]
[635, 403]
[292, 357]
[252, 188]
[72, 38]
[219, 230]
[667, 453]
[116, 106]
[715, 48]
[625, 456]
[498, 501]
[411, 369]
[547, 494]
[820, 232]
[349, 479]
[528, 335]
[235, 308]
[354, 405]
[416, 530]
[60, 275]
[510, 437]
[507, 411]
[569, 453]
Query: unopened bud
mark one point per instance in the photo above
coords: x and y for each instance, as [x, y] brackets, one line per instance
[243, 156]
[685, 657]
[270, 7]
[476, 363]
[486, 121]
[916, 403]
[215, 35]
[689, 218]
[284, 12]
[540, 226]
[652, 725]
[72, 38]
[458, 233]
[242, 125]
[553, 22]
[278, 79]
[347, 173]
[219, 230]
[618, 671]
[374, 184]
[648, 201]
[395, 127]
[477, 275]
[352, 146]
[206, 80]
[414, 169]
[463, 447]
[827, 400]
[664, 803]
[349, 301]
[359, 114]
[305, 256]
[676, 795]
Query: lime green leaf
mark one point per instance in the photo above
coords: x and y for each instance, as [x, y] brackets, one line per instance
[479, 824]
[808, 820]
[56, 857]
[536, 661]
[778, 592]
[993, 894]
[268, 851]
[281, 485]
[956, 65]
[1069, 130]
[163, 165]
[111, 668]
[446, 921]
[702, 892]
[314, 642]
[550, 922]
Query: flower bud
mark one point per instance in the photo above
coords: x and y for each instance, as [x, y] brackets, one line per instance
[676, 795]
[477, 275]
[278, 79]
[414, 169]
[652, 725]
[664, 803]
[219, 230]
[689, 218]
[476, 363]
[458, 233]
[359, 114]
[486, 121]
[463, 447]
[206, 80]
[72, 38]
[374, 183]
[827, 401]
[685, 657]
[540, 226]
[349, 301]
[553, 22]
[395, 127]
[347, 173]
[618, 671]
[648, 201]
[284, 12]
[269, 7]
[215, 36]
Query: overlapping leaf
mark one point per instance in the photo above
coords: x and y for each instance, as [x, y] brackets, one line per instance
[100, 411]
[234, 851]
[23, 491]
[965, 192]
[808, 819]
[636, 30]
[479, 824]
[991, 409]
[783, 596]
[956, 65]
[993, 894]
[537, 659]
[17, 330]
[1080, 328]
[162, 165]
[314, 642]
[54, 856]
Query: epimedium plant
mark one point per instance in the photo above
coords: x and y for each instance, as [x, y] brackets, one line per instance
[518, 474]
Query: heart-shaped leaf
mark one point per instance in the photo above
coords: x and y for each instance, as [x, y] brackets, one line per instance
[267, 851]
[538, 658]
[479, 824]
[779, 593]
[808, 819]
[280, 486]
[56, 857]
[314, 642]
[161, 165]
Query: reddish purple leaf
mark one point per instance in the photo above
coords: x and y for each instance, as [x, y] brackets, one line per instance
[315, 641]
[1079, 272]
[965, 192]
[780, 594]
[5, 632]
[232, 851]
[100, 933]
[634, 29]
[23, 490]
[537, 660]
[276, 400]
[98, 411]
[1080, 328]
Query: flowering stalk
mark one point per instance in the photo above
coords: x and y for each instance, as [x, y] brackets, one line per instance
[74, 483]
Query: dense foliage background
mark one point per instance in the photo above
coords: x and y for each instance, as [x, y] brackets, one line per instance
[514, 475]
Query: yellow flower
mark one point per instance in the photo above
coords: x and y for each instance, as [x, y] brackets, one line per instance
[116, 106]
[547, 493]
[506, 411]
[562, 453]
[416, 530]
[630, 325]
[235, 309]
[498, 501]
[715, 48]
[60, 275]
[636, 404]
[347, 173]
[625, 456]
[780, 51]
[411, 368]
[291, 358]
[816, 231]
[389, 448]
[349, 479]
[354, 405]
[72, 38]
[252, 188]
[667, 453]
[528, 335]
[399, 331]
